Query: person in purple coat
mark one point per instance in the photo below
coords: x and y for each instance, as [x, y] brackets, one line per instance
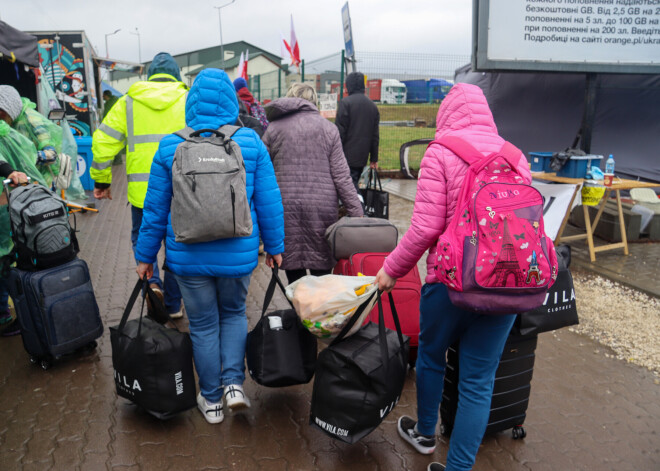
[312, 174]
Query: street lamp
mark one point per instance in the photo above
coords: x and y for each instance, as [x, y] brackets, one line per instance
[137, 33]
[222, 49]
[106, 42]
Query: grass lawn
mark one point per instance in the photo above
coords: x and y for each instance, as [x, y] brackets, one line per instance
[408, 112]
[391, 139]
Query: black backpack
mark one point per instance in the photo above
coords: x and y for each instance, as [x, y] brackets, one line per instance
[40, 228]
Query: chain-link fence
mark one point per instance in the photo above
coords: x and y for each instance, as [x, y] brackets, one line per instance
[407, 89]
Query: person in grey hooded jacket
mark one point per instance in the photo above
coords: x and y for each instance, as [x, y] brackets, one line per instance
[311, 172]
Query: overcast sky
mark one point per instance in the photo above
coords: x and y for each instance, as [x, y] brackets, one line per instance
[177, 26]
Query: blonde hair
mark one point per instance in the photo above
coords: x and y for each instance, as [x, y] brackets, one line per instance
[304, 91]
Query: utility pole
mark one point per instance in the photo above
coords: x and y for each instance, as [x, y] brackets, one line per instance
[222, 48]
[137, 33]
[106, 42]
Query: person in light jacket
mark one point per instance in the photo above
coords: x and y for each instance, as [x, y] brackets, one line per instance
[214, 276]
[464, 113]
[312, 172]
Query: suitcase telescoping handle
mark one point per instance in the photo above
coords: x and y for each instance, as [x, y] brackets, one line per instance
[8, 182]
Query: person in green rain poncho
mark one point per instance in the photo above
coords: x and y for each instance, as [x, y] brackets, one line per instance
[21, 115]
[17, 157]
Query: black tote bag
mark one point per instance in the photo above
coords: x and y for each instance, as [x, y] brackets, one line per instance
[559, 308]
[359, 379]
[280, 350]
[376, 201]
[153, 365]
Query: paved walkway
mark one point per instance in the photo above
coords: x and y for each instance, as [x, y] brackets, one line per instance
[587, 411]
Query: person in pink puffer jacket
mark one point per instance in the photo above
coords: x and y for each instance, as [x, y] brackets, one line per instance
[464, 113]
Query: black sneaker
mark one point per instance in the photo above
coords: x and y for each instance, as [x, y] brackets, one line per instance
[435, 466]
[408, 431]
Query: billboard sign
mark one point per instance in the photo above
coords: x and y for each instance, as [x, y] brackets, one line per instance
[616, 36]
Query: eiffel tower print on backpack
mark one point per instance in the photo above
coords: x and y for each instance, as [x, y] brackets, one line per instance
[494, 256]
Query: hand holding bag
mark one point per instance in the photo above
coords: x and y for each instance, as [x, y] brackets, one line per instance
[359, 379]
[153, 365]
[280, 351]
[376, 201]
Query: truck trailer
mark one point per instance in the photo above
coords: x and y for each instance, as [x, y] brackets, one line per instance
[386, 91]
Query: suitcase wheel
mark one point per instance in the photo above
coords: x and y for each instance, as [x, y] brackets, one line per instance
[45, 364]
[518, 431]
[34, 360]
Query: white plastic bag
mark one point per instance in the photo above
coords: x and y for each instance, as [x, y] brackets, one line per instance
[325, 303]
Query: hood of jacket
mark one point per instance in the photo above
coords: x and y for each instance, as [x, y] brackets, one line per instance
[211, 101]
[283, 106]
[464, 109]
[355, 83]
[164, 63]
[157, 95]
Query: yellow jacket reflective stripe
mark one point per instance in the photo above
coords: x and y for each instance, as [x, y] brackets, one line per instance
[138, 121]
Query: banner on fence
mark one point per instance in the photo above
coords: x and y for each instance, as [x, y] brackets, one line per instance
[328, 104]
[556, 201]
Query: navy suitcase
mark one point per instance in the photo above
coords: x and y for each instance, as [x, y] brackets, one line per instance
[56, 309]
[508, 407]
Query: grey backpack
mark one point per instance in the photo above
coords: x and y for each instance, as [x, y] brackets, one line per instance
[40, 228]
[209, 194]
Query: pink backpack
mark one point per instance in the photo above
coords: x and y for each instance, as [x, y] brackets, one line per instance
[494, 255]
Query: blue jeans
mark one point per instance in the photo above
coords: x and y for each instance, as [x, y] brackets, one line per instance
[218, 329]
[168, 285]
[482, 340]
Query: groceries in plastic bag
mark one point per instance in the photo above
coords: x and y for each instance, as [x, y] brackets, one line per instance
[326, 303]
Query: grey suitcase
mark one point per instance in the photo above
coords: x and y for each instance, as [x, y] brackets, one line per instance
[356, 235]
[56, 309]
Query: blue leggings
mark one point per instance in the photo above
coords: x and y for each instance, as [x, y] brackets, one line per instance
[482, 340]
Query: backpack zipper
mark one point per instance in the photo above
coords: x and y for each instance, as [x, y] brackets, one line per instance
[233, 207]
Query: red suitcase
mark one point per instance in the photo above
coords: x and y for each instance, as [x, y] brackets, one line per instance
[406, 294]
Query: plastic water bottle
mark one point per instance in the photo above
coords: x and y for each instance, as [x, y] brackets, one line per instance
[609, 165]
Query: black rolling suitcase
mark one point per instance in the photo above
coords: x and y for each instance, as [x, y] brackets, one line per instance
[508, 407]
[56, 309]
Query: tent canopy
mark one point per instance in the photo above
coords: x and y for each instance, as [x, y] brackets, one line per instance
[542, 112]
[17, 45]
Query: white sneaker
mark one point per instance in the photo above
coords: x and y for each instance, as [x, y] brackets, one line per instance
[235, 397]
[211, 412]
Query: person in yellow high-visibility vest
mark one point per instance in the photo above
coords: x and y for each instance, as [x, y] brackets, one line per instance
[150, 110]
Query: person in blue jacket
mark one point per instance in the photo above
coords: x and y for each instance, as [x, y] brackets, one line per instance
[214, 276]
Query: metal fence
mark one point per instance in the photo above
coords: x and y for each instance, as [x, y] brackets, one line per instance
[407, 89]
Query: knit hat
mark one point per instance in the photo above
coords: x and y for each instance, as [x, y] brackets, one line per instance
[10, 101]
[240, 83]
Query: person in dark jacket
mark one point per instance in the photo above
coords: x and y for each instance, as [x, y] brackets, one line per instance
[252, 105]
[311, 172]
[246, 120]
[357, 120]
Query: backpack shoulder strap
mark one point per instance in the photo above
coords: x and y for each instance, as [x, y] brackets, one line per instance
[462, 149]
[511, 153]
[228, 130]
[185, 132]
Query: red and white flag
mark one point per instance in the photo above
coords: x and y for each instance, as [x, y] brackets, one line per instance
[291, 49]
[243, 64]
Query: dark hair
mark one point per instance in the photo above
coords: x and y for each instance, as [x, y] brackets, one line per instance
[107, 93]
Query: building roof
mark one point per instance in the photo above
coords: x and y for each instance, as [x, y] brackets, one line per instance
[228, 64]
